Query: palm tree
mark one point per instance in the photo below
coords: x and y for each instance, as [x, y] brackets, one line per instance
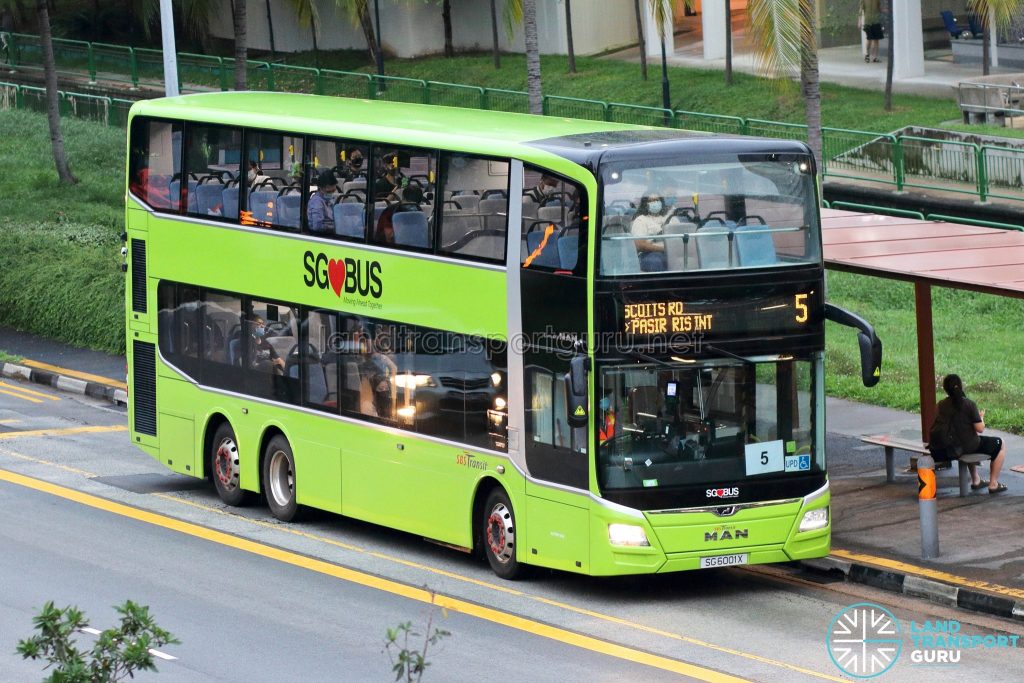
[52, 104]
[568, 36]
[241, 51]
[446, 17]
[512, 14]
[534, 88]
[359, 15]
[640, 35]
[1000, 12]
[662, 18]
[307, 14]
[784, 34]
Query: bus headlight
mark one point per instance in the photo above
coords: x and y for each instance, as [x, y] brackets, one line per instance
[627, 534]
[814, 519]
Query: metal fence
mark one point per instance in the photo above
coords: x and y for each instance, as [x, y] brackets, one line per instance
[897, 161]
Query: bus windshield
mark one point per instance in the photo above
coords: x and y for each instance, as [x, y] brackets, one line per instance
[701, 423]
[750, 211]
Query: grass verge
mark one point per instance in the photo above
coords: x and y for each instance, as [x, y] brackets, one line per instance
[8, 357]
[59, 246]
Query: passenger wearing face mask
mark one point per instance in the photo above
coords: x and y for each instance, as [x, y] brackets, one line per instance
[255, 175]
[544, 189]
[262, 355]
[650, 217]
[354, 167]
[319, 210]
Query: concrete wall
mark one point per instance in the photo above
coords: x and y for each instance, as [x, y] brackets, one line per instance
[413, 28]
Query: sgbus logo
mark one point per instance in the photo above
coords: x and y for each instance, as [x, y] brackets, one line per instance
[353, 276]
[723, 493]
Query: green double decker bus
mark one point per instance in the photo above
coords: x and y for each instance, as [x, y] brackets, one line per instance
[574, 344]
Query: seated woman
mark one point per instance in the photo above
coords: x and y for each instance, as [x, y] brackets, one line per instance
[650, 216]
[957, 430]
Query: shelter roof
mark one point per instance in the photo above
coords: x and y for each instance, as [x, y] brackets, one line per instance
[953, 255]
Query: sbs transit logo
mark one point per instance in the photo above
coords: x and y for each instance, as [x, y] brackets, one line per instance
[349, 275]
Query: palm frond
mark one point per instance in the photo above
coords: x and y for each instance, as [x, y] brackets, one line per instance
[512, 14]
[1003, 11]
[777, 32]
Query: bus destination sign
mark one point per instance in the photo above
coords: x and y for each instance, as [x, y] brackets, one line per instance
[722, 315]
[664, 317]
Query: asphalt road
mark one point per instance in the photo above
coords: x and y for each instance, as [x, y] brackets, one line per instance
[253, 599]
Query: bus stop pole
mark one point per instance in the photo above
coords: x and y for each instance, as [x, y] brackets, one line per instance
[929, 512]
[925, 355]
[170, 53]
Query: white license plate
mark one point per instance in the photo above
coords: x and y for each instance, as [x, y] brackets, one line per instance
[723, 561]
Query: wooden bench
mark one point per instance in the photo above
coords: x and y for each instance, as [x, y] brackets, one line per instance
[892, 444]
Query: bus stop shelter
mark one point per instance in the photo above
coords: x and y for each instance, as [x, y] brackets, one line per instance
[927, 254]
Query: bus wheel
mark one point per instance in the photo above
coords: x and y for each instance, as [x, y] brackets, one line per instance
[224, 466]
[499, 535]
[279, 479]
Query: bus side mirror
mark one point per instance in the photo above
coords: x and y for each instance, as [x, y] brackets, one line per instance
[576, 392]
[870, 344]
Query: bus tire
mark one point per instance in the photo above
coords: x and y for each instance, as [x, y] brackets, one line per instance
[225, 469]
[498, 535]
[279, 479]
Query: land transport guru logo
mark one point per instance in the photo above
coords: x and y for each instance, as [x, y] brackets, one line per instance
[864, 640]
[348, 275]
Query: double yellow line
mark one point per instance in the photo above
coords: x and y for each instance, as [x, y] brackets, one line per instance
[24, 394]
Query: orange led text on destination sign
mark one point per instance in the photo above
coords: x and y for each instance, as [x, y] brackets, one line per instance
[664, 317]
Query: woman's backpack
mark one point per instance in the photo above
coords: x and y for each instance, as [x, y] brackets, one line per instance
[942, 435]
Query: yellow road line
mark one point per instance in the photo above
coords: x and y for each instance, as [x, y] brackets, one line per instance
[419, 594]
[17, 387]
[925, 572]
[64, 432]
[21, 396]
[511, 591]
[29, 458]
[76, 374]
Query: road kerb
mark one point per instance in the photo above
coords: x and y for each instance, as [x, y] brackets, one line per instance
[53, 377]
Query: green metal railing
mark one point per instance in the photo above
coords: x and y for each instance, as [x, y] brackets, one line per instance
[900, 162]
[868, 208]
[109, 111]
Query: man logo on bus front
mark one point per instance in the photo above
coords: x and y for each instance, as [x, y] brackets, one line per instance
[344, 274]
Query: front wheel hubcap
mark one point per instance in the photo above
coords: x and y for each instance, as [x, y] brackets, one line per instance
[501, 534]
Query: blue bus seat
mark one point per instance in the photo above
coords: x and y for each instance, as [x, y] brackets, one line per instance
[548, 257]
[229, 199]
[411, 229]
[208, 199]
[713, 246]
[349, 219]
[619, 257]
[755, 246]
[568, 251]
[288, 207]
[262, 205]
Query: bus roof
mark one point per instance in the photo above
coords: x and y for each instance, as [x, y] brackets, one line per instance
[471, 130]
[374, 119]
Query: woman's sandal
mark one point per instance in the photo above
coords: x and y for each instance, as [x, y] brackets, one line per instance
[983, 484]
[998, 489]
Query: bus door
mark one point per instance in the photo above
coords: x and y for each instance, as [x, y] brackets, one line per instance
[553, 309]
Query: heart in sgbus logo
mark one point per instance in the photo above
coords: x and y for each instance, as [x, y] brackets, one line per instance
[336, 274]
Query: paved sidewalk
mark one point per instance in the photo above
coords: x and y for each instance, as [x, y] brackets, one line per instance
[876, 533]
